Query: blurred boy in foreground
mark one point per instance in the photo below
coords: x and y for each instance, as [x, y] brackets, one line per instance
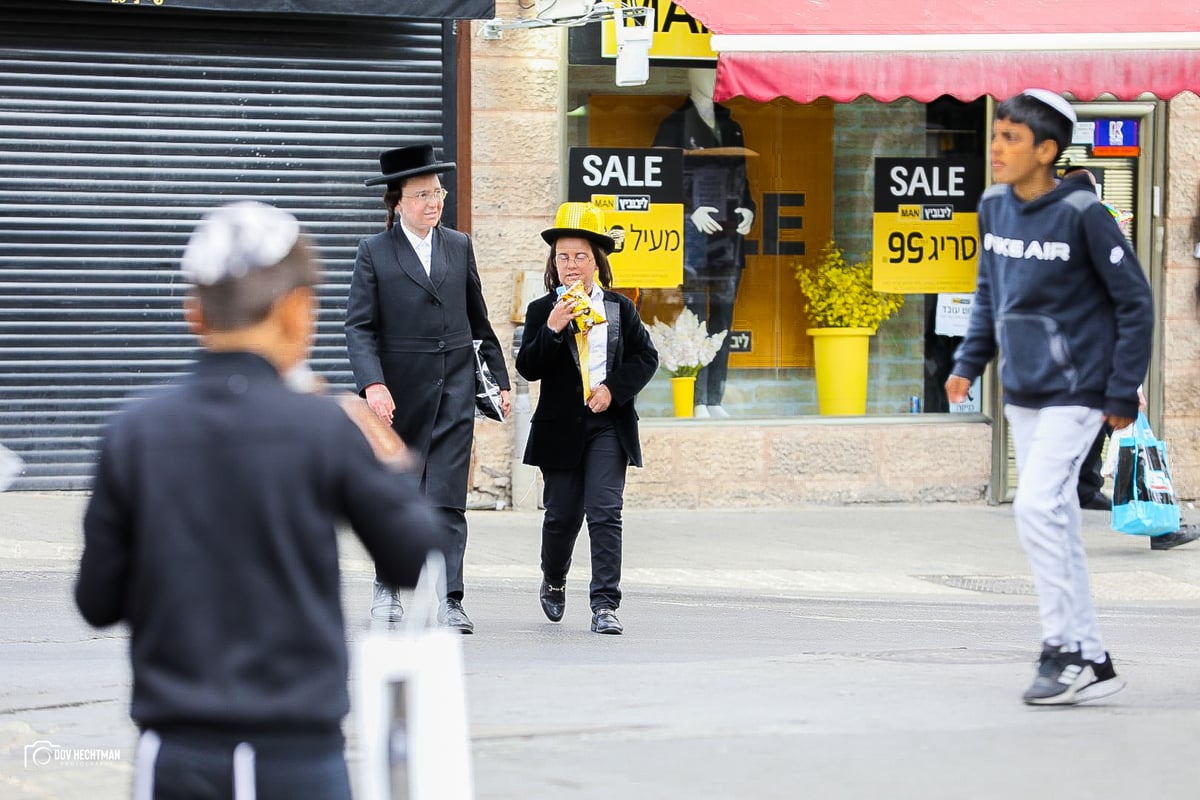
[211, 531]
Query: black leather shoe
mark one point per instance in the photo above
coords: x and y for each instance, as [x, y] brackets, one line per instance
[1185, 534]
[554, 600]
[1098, 502]
[451, 615]
[605, 621]
[385, 606]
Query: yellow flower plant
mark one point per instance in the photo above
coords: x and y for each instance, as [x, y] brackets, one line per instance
[839, 295]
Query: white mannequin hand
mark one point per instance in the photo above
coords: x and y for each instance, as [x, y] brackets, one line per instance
[702, 218]
[747, 220]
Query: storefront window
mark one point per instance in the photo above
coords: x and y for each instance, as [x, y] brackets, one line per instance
[777, 182]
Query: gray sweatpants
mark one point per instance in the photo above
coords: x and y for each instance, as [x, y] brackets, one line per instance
[1050, 445]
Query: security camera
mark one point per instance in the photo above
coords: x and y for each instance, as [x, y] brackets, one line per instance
[633, 47]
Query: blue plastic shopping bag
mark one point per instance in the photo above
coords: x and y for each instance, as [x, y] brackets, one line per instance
[1143, 495]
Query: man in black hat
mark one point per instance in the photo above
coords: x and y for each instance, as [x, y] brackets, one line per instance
[415, 306]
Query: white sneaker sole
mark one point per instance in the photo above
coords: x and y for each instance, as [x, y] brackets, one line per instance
[1069, 695]
[1095, 691]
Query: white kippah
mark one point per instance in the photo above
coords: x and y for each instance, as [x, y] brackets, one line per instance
[236, 239]
[1055, 101]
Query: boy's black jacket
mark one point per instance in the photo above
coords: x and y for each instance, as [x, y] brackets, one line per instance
[211, 532]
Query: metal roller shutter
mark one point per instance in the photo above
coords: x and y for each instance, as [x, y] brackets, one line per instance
[117, 131]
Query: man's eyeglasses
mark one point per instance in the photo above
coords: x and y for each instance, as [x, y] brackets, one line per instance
[428, 196]
[579, 258]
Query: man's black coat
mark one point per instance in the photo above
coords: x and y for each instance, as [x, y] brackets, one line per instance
[412, 332]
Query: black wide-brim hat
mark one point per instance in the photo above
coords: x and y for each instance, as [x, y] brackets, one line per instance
[408, 162]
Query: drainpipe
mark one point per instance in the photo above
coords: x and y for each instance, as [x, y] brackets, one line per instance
[524, 477]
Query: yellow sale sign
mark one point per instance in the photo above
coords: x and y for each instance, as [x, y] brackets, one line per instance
[914, 254]
[649, 250]
[926, 229]
[640, 191]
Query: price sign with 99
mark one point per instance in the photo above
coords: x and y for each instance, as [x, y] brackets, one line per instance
[926, 233]
[916, 247]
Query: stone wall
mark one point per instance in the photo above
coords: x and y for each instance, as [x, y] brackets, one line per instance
[722, 464]
[519, 100]
[1178, 308]
[517, 90]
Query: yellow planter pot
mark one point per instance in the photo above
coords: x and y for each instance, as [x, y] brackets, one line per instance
[683, 395]
[841, 361]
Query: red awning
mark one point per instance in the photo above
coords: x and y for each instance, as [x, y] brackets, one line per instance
[842, 49]
[419, 9]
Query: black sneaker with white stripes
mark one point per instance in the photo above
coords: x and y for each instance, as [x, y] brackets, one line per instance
[1060, 675]
[1105, 681]
[1065, 678]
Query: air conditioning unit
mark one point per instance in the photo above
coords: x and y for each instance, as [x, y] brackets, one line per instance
[563, 9]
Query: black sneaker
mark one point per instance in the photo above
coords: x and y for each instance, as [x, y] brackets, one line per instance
[1060, 676]
[1105, 681]
[1097, 502]
[1185, 534]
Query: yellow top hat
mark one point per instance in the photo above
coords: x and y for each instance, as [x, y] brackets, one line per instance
[583, 220]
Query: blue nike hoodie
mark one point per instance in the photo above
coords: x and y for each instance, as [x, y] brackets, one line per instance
[1062, 297]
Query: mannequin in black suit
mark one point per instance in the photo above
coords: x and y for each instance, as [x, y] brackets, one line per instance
[584, 434]
[415, 305]
[719, 212]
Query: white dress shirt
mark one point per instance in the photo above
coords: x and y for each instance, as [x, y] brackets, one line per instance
[424, 247]
[598, 342]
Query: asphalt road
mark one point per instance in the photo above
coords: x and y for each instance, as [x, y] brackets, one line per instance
[798, 653]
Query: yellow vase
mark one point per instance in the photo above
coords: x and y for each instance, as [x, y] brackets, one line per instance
[683, 395]
[841, 361]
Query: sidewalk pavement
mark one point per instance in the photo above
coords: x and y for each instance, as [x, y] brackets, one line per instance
[937, 550]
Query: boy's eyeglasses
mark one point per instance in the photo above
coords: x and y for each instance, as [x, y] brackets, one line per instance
[580, 259]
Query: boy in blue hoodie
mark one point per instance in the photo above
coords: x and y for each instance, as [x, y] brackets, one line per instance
[1063, 300]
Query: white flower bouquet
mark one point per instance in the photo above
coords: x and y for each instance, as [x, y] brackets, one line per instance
[684, 347]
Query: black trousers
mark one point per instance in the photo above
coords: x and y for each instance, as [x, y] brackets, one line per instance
[453, 521]
[1090, 479]
[205, 767]
[593, 490]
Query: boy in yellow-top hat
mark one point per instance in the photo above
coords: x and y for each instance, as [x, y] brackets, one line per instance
[584, 432]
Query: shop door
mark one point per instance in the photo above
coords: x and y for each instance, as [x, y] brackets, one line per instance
[118, 130]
